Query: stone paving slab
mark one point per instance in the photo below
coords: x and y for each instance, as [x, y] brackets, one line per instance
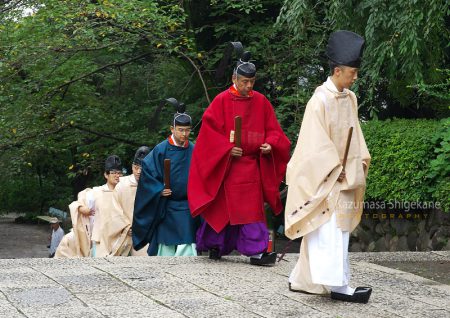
[199, 287]
[400, 256]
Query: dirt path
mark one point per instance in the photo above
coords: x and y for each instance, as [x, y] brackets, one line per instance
[23, 240]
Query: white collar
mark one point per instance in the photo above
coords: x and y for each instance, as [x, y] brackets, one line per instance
[332, 88]
[174, 141]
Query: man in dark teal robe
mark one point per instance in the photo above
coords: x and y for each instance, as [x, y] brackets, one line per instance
[161, 216]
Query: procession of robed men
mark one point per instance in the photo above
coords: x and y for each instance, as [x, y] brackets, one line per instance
[184, 199]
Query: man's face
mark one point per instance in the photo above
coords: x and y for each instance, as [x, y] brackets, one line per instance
[244, 85]
[112, 177]
[54, 226]
[180, 134]
[346, 75]
[136, 171]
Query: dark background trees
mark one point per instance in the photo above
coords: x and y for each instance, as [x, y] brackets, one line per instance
[80, 80]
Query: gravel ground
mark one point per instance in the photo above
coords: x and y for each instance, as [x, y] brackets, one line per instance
[23, 240]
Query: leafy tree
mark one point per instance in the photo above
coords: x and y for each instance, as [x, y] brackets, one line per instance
[406, 43]
[80, 80]
[78, 83]
[288, 69]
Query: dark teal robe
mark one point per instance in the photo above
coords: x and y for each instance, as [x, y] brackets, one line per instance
[163, 220]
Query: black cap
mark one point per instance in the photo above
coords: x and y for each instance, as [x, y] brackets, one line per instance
[243, 65]
[180, 118]
[113, 163]
[345, 48]
[140, 155]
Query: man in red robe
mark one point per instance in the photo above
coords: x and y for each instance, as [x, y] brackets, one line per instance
[228, 185]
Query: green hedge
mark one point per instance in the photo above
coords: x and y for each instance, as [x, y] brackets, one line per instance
[26, 195]
[20, 195]
[440, 166]
[409, 161]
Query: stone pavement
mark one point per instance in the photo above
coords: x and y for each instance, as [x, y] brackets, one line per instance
[198, 287]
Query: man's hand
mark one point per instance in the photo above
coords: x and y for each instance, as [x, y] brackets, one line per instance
[130, 232]
[265, 148]
[166, 193]
[86, 211]
[236, 152]
[341, 176]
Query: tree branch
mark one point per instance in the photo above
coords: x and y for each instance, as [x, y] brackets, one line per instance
[24, 139]
[83, 49]
[105, 135]
[199, 74]
[117, 64]
[20, 142]
[9, 5]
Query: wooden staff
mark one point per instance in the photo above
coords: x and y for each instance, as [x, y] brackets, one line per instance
[166, 173]
[347, 147]
[237, 131]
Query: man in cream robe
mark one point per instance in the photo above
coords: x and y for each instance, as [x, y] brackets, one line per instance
[109, 235]
[124, 195]
[77, 243]
[67, 248]
[324, 202]
[85, 214]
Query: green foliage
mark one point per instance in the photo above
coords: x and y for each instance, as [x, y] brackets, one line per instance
[439, 90]
[399, 36]
[246, 6]
[21, 195]
[288, 69]
[440, 166]
[402, 167]
[80, 80]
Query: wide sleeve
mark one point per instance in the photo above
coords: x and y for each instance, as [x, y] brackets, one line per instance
[313, 169]
[273, 165]
[210, 159]
[73, 207]
[81, 224]
[364, 151]
[149, 206]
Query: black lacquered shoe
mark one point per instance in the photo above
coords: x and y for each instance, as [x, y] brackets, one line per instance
[264, 260]
[361, 295]
[214, 254]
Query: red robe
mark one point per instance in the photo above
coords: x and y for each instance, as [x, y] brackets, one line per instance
[224, 189]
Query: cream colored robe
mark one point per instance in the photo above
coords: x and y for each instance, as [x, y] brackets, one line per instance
[68, 247]
[110, 227]
[97, 193]
[312, 173]
[124, 194]
[78, 242]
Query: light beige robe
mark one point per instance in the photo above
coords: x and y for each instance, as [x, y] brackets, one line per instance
[67, 248]
[110, 227]
[124, 194]
[77, 243]
[312, 173]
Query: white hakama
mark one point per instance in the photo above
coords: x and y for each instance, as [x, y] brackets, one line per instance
[323, 265]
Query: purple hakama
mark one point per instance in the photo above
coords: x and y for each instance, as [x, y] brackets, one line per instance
[247, 239]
